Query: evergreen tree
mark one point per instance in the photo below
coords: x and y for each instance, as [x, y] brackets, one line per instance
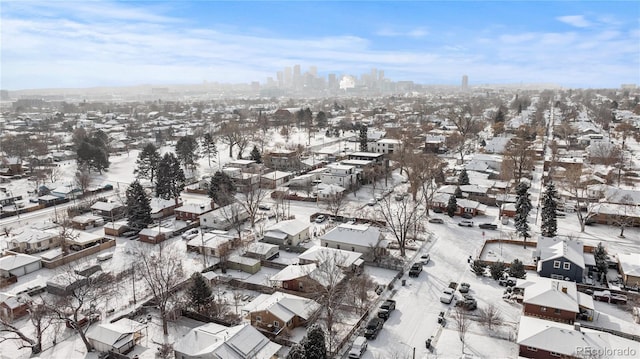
[363, 138]
[516, 269]
[458, 192]
[478, 268]
[138, 207]
[314, 346]
[187, 152]
[147, 162]
[549, 227]
[209, 146]
[497, 269]
[321, 119]
[523, 207]
[222, 189]
[171, 177]
[199, 291]
[91, 151]
[255, 154]
[499, 116]
[297, 351]
[600, 256]
[463, 178]
[452, 206]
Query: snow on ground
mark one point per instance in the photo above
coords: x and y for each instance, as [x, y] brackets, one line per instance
[507, 252]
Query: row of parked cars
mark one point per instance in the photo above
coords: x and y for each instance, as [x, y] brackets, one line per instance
[374, 326]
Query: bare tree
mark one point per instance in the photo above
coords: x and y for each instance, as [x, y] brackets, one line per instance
[458, 143]
[462, 324]
[622, 218]
[230, 134]
[358, 289]
[335, 203]
[161, 272]
[82, 296]
[586, 201]
[39, 318]
[83, 178]
[251, 201]
[401, 217]
[491, 316]
[518, 156]
[605, 153]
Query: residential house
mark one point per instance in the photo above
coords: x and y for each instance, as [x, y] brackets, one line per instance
[244, 264]
[561, 259]
[66, 192]
[275, 179]
[86, 221]
[13, 307]
[617, 214]
[440, 200]
[224, 218]
[552, 299]
[244, 181]
[386, 146]
[262, 251]
[110, 211]
[305, 278]
[544, 339]
[18, 265]
[213, 340]
[279, 312]
[213, 244]
[345, 260]
[508, 210]
[192, 211]
[282, 160]
[287, 233]
[326, 192]
[161, 208]
[115, 229]
[361, 238]
[629, 267]
[78, 240]
[341, 175]
[435, 144]
[32, 240]
[377, 158]
[155, 235]
[118, 337]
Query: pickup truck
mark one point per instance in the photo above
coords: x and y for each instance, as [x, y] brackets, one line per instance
[373, 328]
[415, 270]
[386, 308]
[607, 296]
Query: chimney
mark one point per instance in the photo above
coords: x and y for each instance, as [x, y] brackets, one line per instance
[576, 326]
[564, 290]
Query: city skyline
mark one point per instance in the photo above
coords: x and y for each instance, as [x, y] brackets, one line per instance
[75, 44]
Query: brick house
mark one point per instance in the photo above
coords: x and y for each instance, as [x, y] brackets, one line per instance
[280, 312]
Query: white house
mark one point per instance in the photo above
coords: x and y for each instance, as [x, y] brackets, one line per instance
[360, 238]
[341, 175]
[223, 218]
[217, 341]
[288, 233]
[120, 336]
[385, 145]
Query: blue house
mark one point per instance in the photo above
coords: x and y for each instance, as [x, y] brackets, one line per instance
[561, 259]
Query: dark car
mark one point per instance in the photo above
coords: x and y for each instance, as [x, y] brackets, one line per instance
[488, 226]
[415, 270]
[373, 328]
[467, 216]
[438, 210]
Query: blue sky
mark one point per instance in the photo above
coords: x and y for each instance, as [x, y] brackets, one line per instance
[56, 44]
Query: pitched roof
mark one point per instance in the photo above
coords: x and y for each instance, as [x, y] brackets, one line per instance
[342, 258]
[630, 263]
[553, 294]
[290, 227]
[9, 263]
[358, 234]
[553, 248]
[283, 305]
[293, 271]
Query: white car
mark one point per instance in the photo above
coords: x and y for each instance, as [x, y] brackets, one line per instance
[447, 296]
[358, 347]
[372, 202]
[190, 234]
[466, 223]
[320, 218]
[425, 258]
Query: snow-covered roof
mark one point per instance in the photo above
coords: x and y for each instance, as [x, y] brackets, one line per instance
[362, 235]
[293, 271]
[553, 294]
[261, 248]
[341, 257]
[216, 341]
[30, 235]
[82, 237]
[552, 248]
[630, 263]
[115, 334]
[197, 208]
[565, 339]
[275, 175]
[105, 206]
[283, 305]
[290, 227]
[11, 262]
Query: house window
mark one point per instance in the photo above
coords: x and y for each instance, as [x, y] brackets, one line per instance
[554, 354]
[301, 286]
[532, 349]
[338, 246]
[557, 311]
[258, 319]
[285, 285]
[557, 276]
[276, 323]
[556, 264]
[353, 249]
[566, 265]
[543, 309]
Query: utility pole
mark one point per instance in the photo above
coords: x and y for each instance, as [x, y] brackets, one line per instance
[133, 281]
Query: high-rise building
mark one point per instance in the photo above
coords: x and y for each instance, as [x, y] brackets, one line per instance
[288, 77]
[465, 82]
[381, 75]
[297, 77]
[313, 70]
[332, 82]
[280, 77]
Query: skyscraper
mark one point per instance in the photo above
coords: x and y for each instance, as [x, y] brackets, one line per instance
[288, 77]
[465, 82]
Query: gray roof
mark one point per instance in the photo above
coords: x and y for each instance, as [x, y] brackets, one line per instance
[361, 235]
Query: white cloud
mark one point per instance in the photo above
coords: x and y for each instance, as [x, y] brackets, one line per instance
[574, 20]
[418, 32]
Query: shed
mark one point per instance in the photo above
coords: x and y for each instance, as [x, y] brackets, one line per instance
[19, 265]
[262, 251]
[119, 337]
[245, 264]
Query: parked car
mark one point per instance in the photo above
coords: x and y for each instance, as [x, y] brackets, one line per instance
[488, 226]
[447, 295]
[607, 296]
[264, 207]
[467, 216]
[130, 234]
[379, 289]
[399, 197]
[358, 348]
[436, 220]
[507, 282]
[415, 270]
[386, 308]
[464, 287]
[438, 210]
[425, 258]
[465, 223]
[190, 234]
[371, 202]
[379, 197]
[373, 328]
[320, 218]
[467, 303]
